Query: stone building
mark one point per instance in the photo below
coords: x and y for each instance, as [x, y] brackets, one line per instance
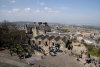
[37, 29]
[41, 42]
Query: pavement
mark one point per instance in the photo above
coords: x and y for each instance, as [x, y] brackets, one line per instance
[61, 60]
[13, 60]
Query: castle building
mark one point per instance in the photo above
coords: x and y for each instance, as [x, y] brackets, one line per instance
[42, 41]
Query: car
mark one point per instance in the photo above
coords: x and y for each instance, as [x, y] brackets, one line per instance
[1, 48]
[53, 54]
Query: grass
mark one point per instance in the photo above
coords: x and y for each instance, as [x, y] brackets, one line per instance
[92, 50]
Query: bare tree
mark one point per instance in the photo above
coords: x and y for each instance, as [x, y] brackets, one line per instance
[10, 35]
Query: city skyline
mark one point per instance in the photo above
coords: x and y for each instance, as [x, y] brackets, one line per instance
[63, 11]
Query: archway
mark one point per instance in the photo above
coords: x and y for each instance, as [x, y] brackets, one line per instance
[46, 44]
[52, 43]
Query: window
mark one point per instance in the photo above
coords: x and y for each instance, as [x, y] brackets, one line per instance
[33, 41]
[46, 44]
[39, 42]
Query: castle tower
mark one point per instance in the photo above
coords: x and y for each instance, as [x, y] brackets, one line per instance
[34, 30]
[25, 28]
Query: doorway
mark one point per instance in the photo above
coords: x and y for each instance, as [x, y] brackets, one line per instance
[52, 43]
[46, 44]
[33, 41]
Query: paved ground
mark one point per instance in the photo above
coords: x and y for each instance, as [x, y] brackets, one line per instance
[58, 61]
[7, 65]
[12, 60]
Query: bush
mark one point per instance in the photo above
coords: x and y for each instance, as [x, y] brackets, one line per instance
[19, 49]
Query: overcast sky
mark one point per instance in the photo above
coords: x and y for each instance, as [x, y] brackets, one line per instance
[61, 11]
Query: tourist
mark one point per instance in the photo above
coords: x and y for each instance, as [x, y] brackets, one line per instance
[95, 64]
[84, 62]
[28, 64]
[88, 55]
[69, 54]
[19, 56]
[42, 57]
[99, 64]
[11, 53]
[91, 65]
[65, 51]
[77, 59]
[39, 65]
[83, 51]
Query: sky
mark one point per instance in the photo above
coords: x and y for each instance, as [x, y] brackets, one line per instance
[82, 12]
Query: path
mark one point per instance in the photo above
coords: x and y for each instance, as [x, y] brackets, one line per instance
[5, 59]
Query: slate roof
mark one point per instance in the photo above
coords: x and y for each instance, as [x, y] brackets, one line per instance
[39, 36]
[51, 37]
[46, 36]
[29, 36]
[64, 39]
[57, 38]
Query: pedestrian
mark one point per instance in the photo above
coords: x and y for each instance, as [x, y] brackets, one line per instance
[39, 65]
[83, 51]
[42, 57]
[65, 52]
[88, 55]
[71, 52]
[11, 53]
[91, 65]
[84, 62]
[99, 64]
[28, 64]
[20, 57]
[77, 59]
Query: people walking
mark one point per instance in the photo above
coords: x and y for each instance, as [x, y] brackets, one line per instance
[84, 62]
[11, 53]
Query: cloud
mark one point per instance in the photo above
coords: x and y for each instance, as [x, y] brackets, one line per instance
[9, 11]
[62, 8]
[27, 9]
[57, 11]
[70, 18]
[42, 3]
[42, 11]
[37, 11]
[48, 9]
[15, 10]
[3, 5]
[13, 1]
